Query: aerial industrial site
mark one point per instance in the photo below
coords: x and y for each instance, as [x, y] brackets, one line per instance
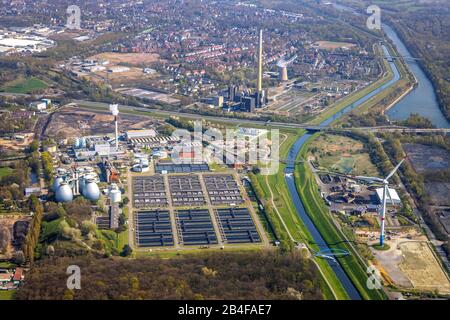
[224, 150]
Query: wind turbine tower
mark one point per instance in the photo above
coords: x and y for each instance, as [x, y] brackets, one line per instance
[385, 183]
[114, 108]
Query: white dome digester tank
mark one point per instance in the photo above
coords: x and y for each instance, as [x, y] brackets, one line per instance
[91, 190]
[64, 193]
[56, 183]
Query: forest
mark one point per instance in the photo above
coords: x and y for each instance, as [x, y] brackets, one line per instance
[256, 275]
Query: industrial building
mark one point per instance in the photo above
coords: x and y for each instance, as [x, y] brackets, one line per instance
[111, 221]
[392, 197]
[68, 184]
[150, 143]
[140, 134]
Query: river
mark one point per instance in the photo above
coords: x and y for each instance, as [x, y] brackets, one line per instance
[422, 99]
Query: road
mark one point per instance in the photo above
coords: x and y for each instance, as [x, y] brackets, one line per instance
[84, 104]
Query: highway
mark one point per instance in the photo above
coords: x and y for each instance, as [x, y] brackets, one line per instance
[84, 104]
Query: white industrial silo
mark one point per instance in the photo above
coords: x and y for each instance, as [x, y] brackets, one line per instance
[64, 193]
[56, 183]
[91, 190]
[115, 195]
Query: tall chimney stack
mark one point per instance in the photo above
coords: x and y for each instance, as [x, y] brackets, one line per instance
[114, 108]
[260, 68]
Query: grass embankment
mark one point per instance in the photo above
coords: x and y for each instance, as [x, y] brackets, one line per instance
[5, 171]
[319, 214]
[25, 86]
[7, 294]
[274, 188]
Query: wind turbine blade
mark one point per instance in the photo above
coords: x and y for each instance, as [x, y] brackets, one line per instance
[370, 179]
[395, 169]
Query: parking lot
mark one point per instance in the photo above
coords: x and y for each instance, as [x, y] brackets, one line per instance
[195, 227]
[223, 189]
[186, 190]
[237, 226]
[153, 228]
[149, 192]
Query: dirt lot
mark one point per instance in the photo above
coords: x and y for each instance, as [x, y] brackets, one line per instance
[8, 223]
[427, 158]
[411, 264]
[136, 59]
[16, 145]
[329, 45]
[438, 192]
[75, 122]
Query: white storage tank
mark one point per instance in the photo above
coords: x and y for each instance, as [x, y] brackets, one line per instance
[56, 183]
[64, 193]
[115, 195]
[91, 190]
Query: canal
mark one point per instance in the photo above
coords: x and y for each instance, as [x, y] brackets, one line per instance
[421, 100]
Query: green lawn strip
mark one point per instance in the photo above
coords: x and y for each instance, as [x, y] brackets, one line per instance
[171, 253]
[4, 171]
[7, 294]
[109, 238]
[122, 237]
[319, 214]
[25, 85]
[7, 265]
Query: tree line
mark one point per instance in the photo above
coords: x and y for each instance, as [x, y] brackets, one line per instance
[220, 275]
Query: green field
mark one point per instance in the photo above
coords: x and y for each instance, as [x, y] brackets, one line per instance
[25, 86]
[7, 294]
[4, 171]
[342, 154]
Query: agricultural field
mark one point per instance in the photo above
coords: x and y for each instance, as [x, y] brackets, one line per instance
[24, 86]
[342, 154]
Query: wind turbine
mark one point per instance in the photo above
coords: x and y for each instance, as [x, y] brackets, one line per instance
[385, 183]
